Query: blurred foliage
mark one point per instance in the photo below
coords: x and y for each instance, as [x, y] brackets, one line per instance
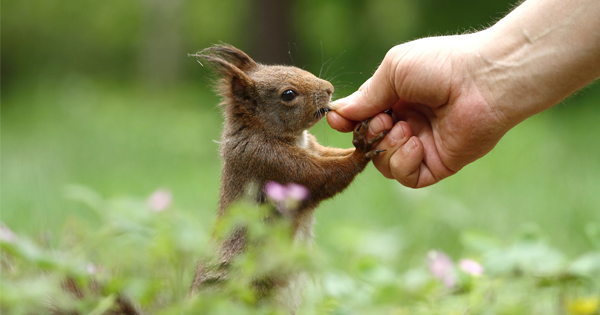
[148, 40]
[153, 249]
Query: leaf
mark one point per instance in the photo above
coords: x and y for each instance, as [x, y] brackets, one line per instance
[86, 196]
[104, 305]
[586, 265]
[537, 258]
[479, 241]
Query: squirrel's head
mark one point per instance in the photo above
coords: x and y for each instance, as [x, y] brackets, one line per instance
[283, 100]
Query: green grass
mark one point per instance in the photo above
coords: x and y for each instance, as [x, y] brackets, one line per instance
[127, 140]
[535, 194]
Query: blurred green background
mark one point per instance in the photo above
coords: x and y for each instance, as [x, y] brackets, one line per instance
[102, 94]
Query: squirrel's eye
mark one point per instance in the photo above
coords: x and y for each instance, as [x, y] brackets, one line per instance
[288, 95]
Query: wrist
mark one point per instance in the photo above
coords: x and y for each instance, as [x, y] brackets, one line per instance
[538, 55]
[510, 74]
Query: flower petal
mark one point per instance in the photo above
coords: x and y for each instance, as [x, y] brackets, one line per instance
[297, 192]
[160, 200]
[471, 267]
[275, 191]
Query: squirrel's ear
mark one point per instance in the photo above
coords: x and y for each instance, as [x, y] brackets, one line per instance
[232, 64]
[241, 87]
[230, 54]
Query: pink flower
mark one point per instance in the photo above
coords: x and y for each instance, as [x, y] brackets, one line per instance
[160, 200]
[441, 267]
[297, 192]
[471, 267]
[276, 191]
[291, 191]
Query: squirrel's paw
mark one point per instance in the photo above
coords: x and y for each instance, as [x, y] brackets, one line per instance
[364, 146]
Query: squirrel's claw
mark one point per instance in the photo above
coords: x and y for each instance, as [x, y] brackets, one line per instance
[363, 124]
[364, 146]
[377, 138]
[373, 153]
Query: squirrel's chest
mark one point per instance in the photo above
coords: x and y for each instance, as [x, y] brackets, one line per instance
[303, 141]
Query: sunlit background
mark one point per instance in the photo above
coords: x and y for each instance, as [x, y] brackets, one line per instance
[102, 94]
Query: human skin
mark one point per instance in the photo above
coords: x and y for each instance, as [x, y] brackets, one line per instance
[453, 98]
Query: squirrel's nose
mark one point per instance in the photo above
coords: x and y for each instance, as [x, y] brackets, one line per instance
[329, 89]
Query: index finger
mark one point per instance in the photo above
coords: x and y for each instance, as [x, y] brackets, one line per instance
[339, 123]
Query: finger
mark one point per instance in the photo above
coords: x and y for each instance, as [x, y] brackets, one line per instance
[418, 176]
[406, 165]
[340, 123]
[394, 140]
[428, 167]
[375, 95]
[379, 124]
[422, 124]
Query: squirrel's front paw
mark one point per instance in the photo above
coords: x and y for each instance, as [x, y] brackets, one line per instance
[363, 146]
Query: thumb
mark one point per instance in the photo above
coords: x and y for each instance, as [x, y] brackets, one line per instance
[376, 95]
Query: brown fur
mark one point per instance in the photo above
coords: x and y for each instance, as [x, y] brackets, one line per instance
[265, 139]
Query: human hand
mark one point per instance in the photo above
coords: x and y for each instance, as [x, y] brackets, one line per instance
[442, 116]
[452, 98]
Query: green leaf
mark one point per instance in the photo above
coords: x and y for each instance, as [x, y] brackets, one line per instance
[104, 305]
[586, 265]
[479, 242]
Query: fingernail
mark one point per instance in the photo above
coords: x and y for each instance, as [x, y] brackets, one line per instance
[409, 146]
[376, 126]
[396, 134]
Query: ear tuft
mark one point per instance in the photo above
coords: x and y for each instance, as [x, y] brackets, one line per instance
[230, 54]
[221, 66]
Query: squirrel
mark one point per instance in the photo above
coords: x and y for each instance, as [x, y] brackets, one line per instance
[267, 111]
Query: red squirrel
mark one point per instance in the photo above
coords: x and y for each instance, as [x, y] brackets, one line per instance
[268, 110]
